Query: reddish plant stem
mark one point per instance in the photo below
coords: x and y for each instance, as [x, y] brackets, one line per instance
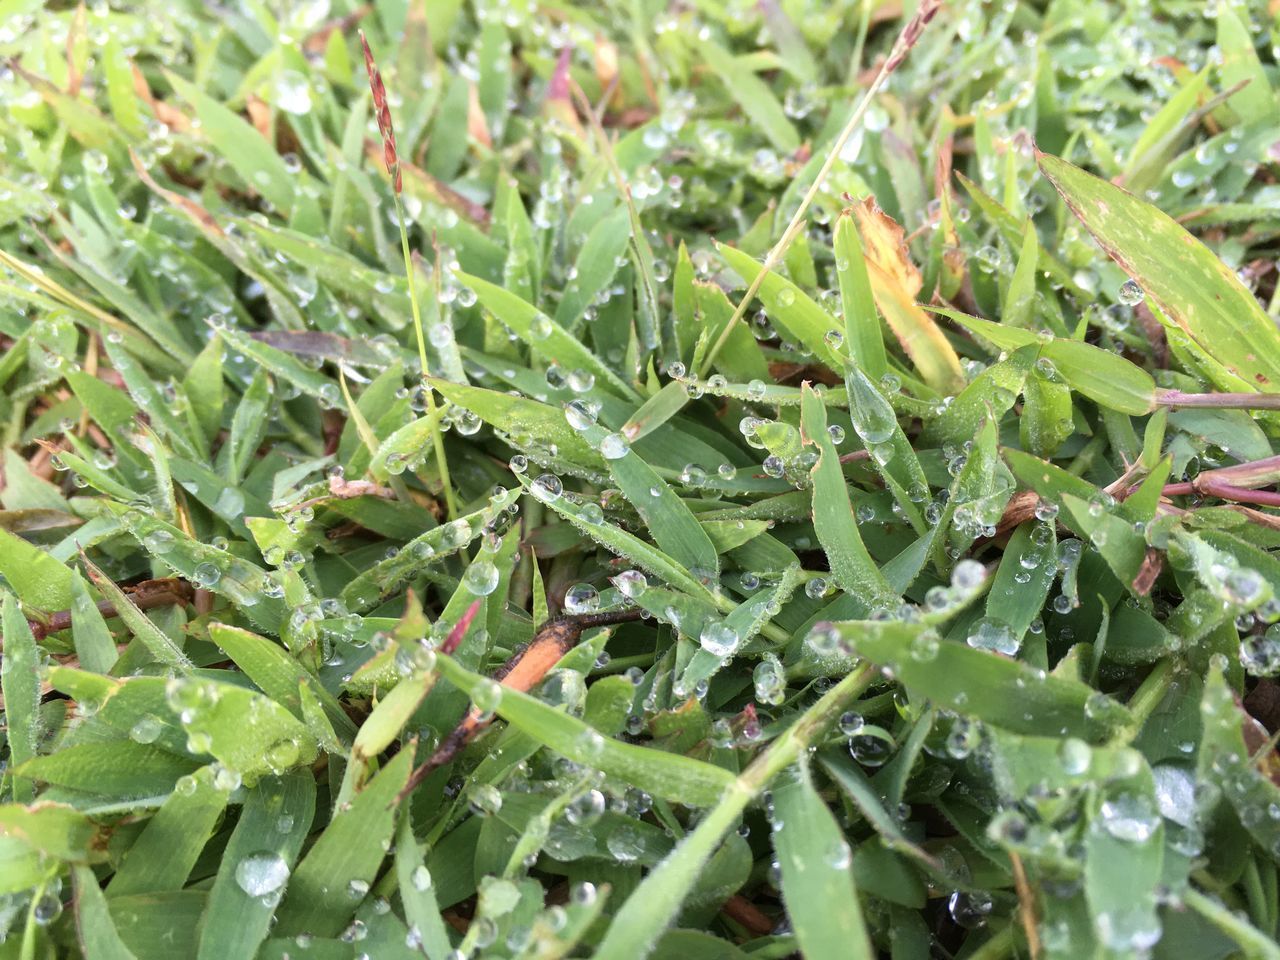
[1223, 491]
[526, 668]
[145, 596]
[1221, 401]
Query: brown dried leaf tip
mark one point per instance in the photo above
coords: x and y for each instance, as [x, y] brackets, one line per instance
[911, 34]
[383, 111]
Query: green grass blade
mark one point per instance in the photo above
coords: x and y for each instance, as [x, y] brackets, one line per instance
[20, 680]
[161, 858]
[275, 820]
[158, 644]
[346, 858]
[654, 904]
[94, 644]
[817, 882]
[97, 931]
[851, 565]
[1196, 289]
[669, 775]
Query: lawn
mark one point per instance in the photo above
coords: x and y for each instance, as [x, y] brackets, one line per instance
[715, 480]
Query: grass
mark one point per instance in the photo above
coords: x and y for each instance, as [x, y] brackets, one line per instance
[703, 481]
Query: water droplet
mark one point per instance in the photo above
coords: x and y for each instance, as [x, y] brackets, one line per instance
[718, 638]
[851, 723]
[1131, 293]
[540, 328]
[969, 909]
[225, 779]
[159, 541]
[580, 381]
[869, 750]
[487, 696]
[293, 92]
[485, 799]
[693, 475]
[614, 447]
[631, 583]
[146, 730]
[626, 843]
[481, 578]
[586, 809]
[990, 633]
[1130, 817]
[421, 879]
[770, 681]
[968, 575]
[283, 754]
[1260, 653]
[206, 574]
[1075, 756]
[263, 873]
[581, 598]
[548, 488]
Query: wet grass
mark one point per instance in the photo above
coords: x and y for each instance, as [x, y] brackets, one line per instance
[702, 481]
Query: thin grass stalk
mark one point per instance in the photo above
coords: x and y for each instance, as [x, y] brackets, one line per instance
[391, 157]
[907, 39]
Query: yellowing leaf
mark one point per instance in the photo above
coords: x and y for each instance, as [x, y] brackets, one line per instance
[885, 246]
[895, 281]
[1185, 279]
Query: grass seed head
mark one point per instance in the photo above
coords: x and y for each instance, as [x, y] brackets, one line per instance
[383, 111]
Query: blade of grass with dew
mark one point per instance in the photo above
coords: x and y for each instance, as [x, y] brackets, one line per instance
[166, 851]
[1023, 579]
[519, 415]
[275, 673]
[276, 818]
[817, 882]
[1191, 285]
[675, 777]
[861, 321]
[852, 567]
[1006, 693]
[655, 902]
[20, 682]
[624, 544]
[742, 623]
[670, 522]
[544, 334]
[364, 590]
[159, 645]
[789, 307]
[319, 897]
[892, 454]
[272, 741]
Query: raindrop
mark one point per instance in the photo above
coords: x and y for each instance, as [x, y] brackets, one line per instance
[482, 578]
[1131, 293]
[718, 638]
[581, 598]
